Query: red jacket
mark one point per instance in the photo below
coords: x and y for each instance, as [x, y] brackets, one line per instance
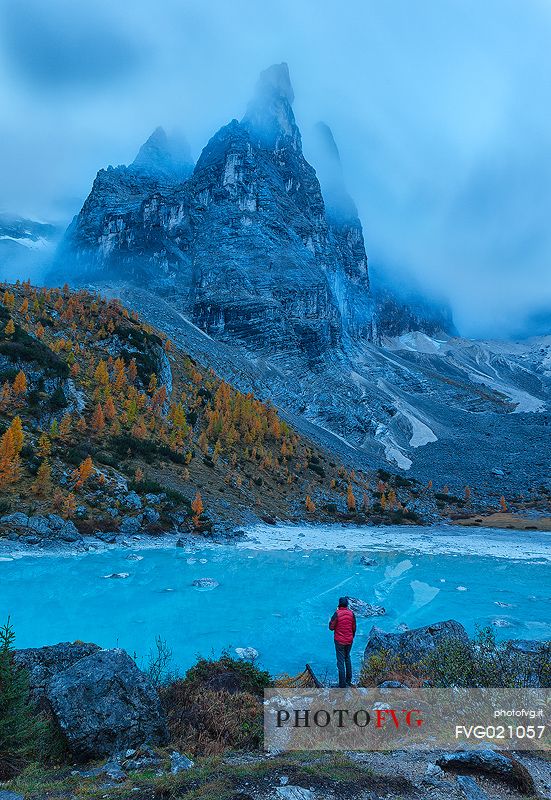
[343, 622]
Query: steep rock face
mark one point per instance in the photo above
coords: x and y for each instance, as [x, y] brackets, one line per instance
[244, 245]
[397, 314]
[103, 234]
[104, 705]
[350, 279]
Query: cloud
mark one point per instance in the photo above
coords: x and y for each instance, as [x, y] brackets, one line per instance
[62, 45]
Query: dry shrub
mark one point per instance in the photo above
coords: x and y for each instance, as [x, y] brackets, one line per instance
[384, 666]
[204, 721]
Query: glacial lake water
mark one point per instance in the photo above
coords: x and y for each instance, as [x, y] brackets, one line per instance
[277, 594]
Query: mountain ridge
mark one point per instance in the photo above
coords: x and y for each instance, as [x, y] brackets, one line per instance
[267, 258]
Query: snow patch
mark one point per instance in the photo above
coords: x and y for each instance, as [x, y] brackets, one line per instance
[393, 453]
[31, 244]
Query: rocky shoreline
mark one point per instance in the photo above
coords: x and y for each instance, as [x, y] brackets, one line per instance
[52, 535]
[118, 734]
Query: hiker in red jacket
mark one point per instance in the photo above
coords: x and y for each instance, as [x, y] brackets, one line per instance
[343, 623]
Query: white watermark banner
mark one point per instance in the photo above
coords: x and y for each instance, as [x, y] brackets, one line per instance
[406, 719]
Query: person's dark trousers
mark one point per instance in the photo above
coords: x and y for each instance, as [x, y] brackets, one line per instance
[344, 665]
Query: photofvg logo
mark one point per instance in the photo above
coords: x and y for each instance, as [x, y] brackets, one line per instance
[398, 719]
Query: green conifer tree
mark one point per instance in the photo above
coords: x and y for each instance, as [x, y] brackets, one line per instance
[20, 726]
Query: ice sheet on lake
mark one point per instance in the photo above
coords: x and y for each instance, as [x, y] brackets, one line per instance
[436, 540]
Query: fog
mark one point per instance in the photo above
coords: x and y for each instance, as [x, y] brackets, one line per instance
[440, 111]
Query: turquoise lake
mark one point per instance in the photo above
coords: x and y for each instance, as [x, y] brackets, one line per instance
[276, 600]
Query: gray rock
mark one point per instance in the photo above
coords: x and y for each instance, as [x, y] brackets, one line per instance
[49, 526]
[114, 772]
[433, 771]
[130, 526]
[132, 500]
[528, 647]
[108, 538]
[155, 499]
[363, 609]
[470, 788]
[491, 763]
[18, 520]
[367, 562]
[105, 705]
[392, 685]
[179, 762]
[247, 653]
[68, 535]
[414, 645]
[45, 663]
[205, 583]
[31, 539]
[294, 793]
[151, 515]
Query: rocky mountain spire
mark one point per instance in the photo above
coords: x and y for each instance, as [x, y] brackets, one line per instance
[165, 155]
[269, 118]
[327, 162]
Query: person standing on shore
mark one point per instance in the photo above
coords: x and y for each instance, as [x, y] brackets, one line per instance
[343, 625]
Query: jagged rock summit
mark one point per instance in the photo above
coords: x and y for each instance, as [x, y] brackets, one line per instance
[267, 257]
[165, 156]
[244, 244]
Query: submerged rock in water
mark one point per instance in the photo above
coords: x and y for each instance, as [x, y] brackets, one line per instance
[247, 653]
[367, 562]
[205, 583]
[363, 609]
[117, 575]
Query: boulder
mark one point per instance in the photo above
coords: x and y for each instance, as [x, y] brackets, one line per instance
[470, 788]
[151, 515]
[106, 537]
[105, 705]
[491, 763]
[532, 659]
[130, 526]
[132, 500]
[50, 526]
[155, 499]
[179, 762]
[247, 653]
[414, 645]
[294, 793]
[45, 663]
[367, 562]
[205, 583]
[363, 609]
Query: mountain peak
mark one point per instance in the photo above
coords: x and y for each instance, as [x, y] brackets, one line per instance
[276, 81]
[269, 116]
[327, 162]
[168, 155]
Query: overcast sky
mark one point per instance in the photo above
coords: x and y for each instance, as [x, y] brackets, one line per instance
[440, 108]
